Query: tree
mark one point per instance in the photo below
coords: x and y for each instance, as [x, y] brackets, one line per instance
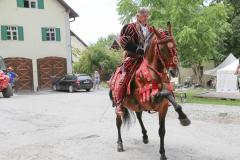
[234, 39]
[232, 43]
[199, 30]
[99, 57]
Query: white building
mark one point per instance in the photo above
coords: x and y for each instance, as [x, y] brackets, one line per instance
[78, 45]
[35, 40]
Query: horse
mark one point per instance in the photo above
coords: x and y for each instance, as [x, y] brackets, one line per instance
[150, 87]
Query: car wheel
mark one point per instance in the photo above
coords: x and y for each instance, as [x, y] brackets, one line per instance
[87, 90]
[70, 89]
[8, 92]
[54, 87]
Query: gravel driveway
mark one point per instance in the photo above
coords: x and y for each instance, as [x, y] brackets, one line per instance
[81, 126]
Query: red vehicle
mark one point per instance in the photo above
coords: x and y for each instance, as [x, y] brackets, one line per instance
[5, 87]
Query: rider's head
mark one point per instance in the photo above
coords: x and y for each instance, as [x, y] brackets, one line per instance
[142, 16]
[10, 68]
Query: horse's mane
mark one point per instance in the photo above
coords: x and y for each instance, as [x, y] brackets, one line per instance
[147, 42]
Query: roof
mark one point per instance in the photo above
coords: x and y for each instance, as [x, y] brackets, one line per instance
[231, 68]
[116, 43]
[227, 61]
[73, 34]
[72, 13]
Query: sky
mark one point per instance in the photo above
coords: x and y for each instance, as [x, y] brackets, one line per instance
[97, 18]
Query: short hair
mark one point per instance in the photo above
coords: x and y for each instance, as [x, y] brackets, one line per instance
[142, 11]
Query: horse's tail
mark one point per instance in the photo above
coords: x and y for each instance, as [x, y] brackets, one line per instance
[111, 97]
[128, 117]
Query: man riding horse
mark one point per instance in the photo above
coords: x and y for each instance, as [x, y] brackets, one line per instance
[132, 38]
[142, 82]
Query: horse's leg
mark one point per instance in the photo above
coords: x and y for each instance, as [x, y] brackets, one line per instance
[161, 133]
[119, 142]
[144, 131]
[178, 108]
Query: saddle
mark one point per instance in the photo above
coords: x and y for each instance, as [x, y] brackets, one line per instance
[120, 82]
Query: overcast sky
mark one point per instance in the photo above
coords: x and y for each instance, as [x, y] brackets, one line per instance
[97, 18]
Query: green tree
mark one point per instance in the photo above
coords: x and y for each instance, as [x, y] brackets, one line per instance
[99, 57]
[199, 30]
[234, 39]
[232, 43]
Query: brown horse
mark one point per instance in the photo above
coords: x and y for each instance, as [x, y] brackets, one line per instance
[151, 88]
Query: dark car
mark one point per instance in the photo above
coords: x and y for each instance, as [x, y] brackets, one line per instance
[73, 82]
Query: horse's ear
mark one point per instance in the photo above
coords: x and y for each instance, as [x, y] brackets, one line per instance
[169, 25]
[157, 33]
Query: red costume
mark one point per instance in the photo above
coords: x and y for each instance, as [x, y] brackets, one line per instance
[131, 40]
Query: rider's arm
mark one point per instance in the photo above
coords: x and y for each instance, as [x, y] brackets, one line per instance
[126, 40]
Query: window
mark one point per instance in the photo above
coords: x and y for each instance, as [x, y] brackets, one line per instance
[26, 4]
[12, 33]
[51, 34]
[84, 77]
[70, 77]
[33, 4]
[30, 3]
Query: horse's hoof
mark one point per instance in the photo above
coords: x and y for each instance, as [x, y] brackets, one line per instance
[185, 121]
[163, 157]
[120, 147]
[145, 140]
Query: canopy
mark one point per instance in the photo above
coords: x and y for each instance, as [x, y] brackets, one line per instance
[227, 61]
[226, 79]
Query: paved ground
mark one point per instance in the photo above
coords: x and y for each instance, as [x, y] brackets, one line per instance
[81, 126]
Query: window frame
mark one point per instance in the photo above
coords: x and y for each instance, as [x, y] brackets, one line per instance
[11, 31]
[30, 4]
[51, 33]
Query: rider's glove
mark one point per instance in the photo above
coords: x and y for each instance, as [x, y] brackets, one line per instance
[140, 51]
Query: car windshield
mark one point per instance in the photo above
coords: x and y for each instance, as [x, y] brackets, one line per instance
[83, 77]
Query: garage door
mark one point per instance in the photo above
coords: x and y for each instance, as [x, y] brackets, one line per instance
[48, 68]
[23, 68]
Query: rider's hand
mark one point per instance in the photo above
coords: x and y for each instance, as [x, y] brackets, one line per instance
[140, 51]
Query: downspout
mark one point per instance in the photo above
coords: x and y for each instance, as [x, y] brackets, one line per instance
[71, 41]
[68, 43]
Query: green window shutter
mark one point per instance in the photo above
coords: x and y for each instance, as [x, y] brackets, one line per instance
[44, 34]
[41, 4]
[4, 32]
[58, 34]
[20, 33]
[20, 3]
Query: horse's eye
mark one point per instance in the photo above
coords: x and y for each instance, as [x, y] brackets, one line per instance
[170, 45]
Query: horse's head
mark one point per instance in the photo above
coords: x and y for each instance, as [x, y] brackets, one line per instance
[165, 49]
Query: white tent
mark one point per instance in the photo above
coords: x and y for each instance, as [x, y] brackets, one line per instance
[226, 79]
[227, 61]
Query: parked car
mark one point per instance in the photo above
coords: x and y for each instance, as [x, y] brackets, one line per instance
[73, 82]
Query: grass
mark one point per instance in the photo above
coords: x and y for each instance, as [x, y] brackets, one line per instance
[192, 99]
